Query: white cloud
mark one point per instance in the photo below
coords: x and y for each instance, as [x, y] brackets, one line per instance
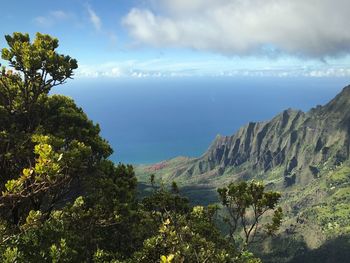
[331, 72]
[110, 70]
[94, 18]
[311, 28]
[53, 17]
[59, 14]
[43, 21]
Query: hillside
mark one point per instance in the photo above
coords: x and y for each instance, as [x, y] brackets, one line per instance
[303, 155]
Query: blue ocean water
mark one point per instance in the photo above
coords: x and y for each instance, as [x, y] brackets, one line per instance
[149, 120]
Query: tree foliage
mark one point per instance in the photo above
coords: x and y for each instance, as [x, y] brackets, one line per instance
[37, 129]
[246, 204]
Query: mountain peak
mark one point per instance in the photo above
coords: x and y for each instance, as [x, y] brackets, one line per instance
[340, 104]
[346, 89]
[345, 93]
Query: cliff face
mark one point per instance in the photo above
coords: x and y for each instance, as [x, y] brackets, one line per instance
[297, 142]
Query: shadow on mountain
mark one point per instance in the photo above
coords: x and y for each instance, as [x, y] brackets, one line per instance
[333, 251]
[197, 194]
[200, 195]
[294, 250]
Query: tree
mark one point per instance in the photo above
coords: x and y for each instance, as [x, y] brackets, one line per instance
[246, 204]
[179, 232]
[187, 238]
[185, 233]
[61, 199]
[35, 127]
[37, 67]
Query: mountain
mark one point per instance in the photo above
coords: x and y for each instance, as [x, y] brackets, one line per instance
[305, 155]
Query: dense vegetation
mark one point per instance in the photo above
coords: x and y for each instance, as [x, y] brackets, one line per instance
[62, 200]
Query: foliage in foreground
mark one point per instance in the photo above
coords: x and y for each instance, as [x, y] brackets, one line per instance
[62, 200]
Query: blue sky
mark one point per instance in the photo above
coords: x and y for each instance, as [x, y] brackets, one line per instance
[161, 38]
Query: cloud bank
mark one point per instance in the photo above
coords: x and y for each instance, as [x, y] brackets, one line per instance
[306, 28]
[211, 68]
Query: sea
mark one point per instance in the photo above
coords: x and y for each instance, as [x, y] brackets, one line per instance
[148, 120]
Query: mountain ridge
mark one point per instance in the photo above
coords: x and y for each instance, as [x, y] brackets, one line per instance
[305, 155]
[281, 141]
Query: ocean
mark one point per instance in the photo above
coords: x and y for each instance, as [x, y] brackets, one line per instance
[153, 119]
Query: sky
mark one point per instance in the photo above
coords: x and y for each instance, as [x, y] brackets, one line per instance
[175, 38]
